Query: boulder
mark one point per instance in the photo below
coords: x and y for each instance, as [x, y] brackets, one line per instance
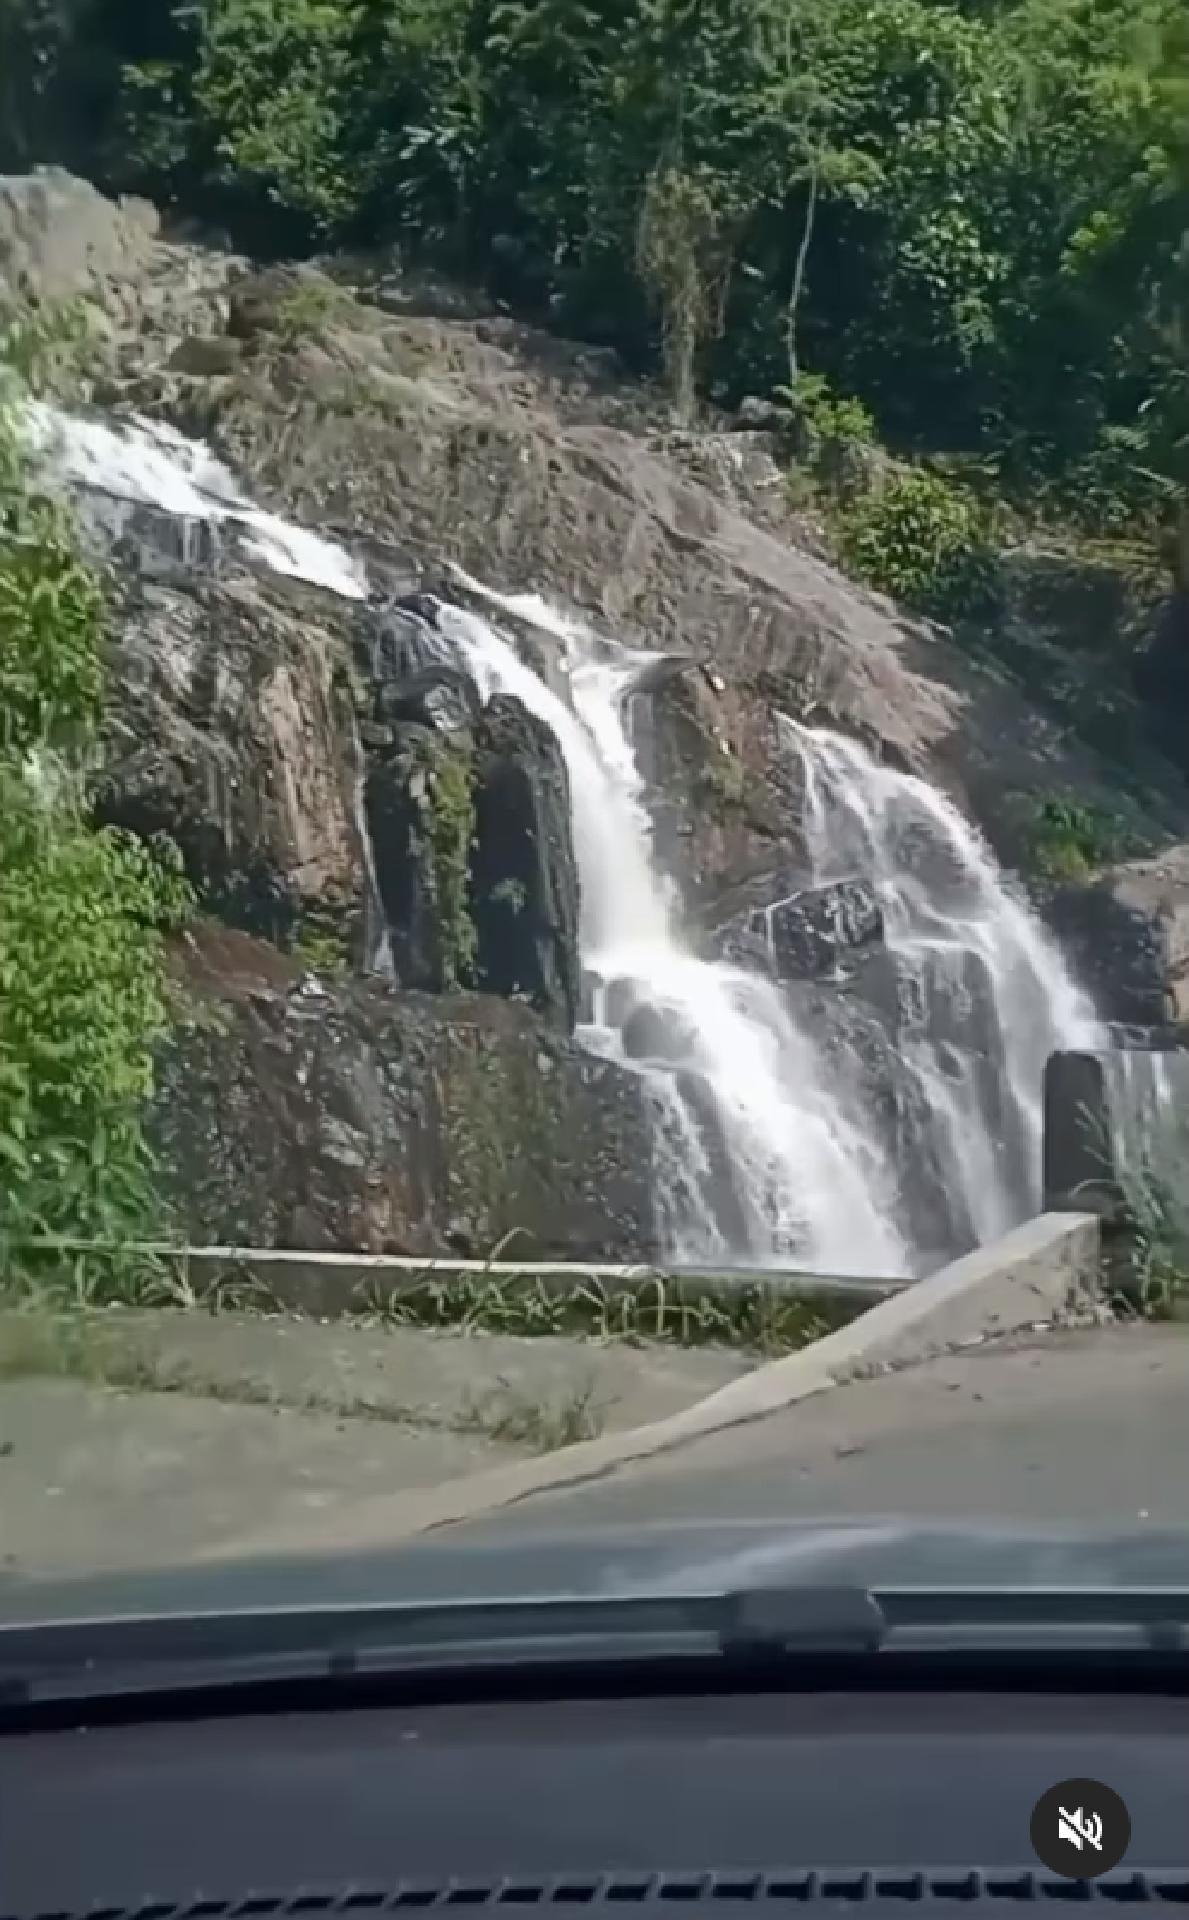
[1115, 1130]
[723, 794]
[657, 1032]
[342, 1116]
[1127, 936]
[946, 996]
[813, 931]
[228, 727]
[523, 871]
[60, 239]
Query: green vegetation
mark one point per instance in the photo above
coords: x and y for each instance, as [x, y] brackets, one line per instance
[965, 216]
[82, 912]
[1069, 840]
[768, 1319]
[307, 311]
[721, 782]
[510, 893]
[121, 1352]
[322, 943]
[926, 542]
[451, 804]
[1149, 1240]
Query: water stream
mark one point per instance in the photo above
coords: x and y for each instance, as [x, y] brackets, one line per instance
[956, 931]
[763, 1153]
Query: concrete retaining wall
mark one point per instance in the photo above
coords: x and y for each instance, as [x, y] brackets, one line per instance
[328, 1285]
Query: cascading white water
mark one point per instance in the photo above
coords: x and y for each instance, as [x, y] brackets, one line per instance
[808, 1183]
[810, 1186]
[152, 465]
[1149, 1137]
[944, 900]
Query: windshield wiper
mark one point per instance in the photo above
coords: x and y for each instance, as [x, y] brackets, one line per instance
[779, 1627]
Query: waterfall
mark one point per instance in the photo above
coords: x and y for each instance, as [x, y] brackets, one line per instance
[1149, 1138]
[152, 465]
[810, 1183]
[764, 1152]
[953, 927]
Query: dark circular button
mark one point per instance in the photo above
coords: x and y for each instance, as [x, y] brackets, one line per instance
[1080, 1829]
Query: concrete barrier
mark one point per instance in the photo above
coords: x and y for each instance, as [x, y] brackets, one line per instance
[327, 1285]
[1042, 1273]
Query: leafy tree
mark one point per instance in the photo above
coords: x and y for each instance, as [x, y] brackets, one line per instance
[82, 912]
[969, 215]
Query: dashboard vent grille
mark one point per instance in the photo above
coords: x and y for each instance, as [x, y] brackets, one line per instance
[795, 1888]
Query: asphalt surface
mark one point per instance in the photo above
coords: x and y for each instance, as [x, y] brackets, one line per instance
[235, 1426]
[1081, 1429]
[1076, 1428]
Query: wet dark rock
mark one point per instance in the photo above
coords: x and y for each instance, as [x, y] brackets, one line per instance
[473, 852]
[148, 543]
[226, 729]
[358, 1119]
[1131, 1039]
[719, 1192]
[947, 881]
[444, 698]
[431, 947]
[1079, 1164]
[740, 945]
[868, 1070]
[813, 931]
[947, 998]
[723, 794]
[1115, 1144]
[588, 990]
[523, 874]
[619, 999]
[1128, 938]
[653, 1032]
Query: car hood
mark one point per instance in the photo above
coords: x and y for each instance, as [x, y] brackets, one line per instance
[505, 1563]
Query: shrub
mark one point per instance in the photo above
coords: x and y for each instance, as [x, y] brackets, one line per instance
[839, 418]
[925, 542]
[1069, 838]
[82, 912]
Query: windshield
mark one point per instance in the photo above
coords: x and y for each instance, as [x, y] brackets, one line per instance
[594, 842]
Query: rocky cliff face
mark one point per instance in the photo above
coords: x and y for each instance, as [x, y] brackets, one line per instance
[297, 1113]
[341, 791]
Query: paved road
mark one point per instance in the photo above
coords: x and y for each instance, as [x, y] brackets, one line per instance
[282, 1424]
[1087, 1429]
[1080, 1428]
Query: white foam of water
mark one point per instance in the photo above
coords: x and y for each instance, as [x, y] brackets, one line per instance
[811, 1186]
[1149, 1134]
[150, 463]
[865, 819]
